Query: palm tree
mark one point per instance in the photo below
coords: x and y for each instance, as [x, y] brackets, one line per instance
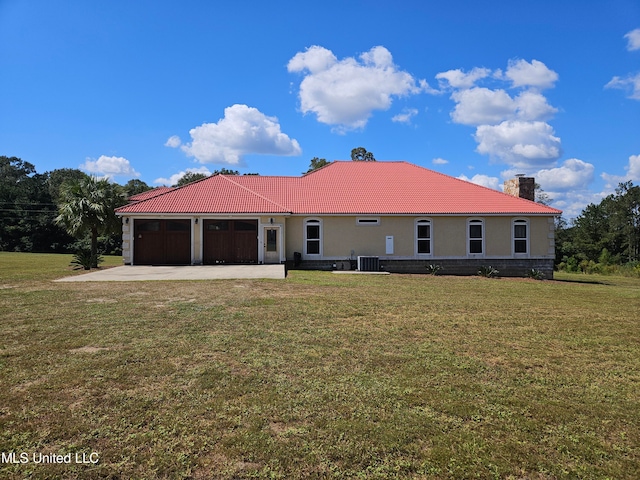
[87, 206]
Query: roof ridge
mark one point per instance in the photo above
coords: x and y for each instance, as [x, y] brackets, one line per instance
[226, 177]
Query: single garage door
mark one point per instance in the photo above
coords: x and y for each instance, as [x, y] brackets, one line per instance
[230, 241]
[162, 242]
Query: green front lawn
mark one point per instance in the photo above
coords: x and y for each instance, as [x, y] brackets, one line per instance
[319, 375]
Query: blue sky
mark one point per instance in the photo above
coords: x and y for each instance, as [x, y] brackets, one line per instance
[476, 90]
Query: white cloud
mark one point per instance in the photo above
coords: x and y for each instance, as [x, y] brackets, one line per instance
[482, 106]
[345, 92]
[109, 167]
[535, 74]
[532, 106]
[406, 115]
[573, 202]
[634, 40]
[173, 141]
[574, 174]
[483, 180]
[520, 144]
[633, 173]
[479, 106]
[173, 179]
[631, 83]
[243, 130]
[458, 79]
[439, 161]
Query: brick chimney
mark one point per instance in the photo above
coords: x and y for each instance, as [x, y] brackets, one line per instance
[521, 186]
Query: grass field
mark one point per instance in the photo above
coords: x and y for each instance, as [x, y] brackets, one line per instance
[318, 375]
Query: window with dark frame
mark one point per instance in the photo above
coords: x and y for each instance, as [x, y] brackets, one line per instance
[520, 236]
[423, 236]
[313, 237]
[475, 236]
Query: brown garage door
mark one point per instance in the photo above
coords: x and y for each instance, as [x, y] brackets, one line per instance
[162, 242]
[230, 241]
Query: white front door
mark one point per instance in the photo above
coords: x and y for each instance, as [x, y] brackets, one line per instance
[271, 244]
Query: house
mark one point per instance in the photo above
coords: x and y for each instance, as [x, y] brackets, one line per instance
[407, 216]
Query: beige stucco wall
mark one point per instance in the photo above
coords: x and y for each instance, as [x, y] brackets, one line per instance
[341, 235]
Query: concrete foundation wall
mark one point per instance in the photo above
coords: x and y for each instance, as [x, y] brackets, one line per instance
[508, 267]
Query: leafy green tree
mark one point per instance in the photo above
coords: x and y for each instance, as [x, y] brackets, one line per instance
[316, 163]
[226, 171]
[134, 187]
[360, 154]
[27, 209]
[609, 230]
[626, 219]
[190, 177]
[88, 208]
[60, 176]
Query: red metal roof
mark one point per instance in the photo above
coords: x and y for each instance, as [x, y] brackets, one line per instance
[345, 187]
[149, 194]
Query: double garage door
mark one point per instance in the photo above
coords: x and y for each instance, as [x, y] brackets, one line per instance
[168, 242]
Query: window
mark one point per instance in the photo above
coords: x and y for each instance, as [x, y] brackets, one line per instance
[245, 226]
[423, 237]
[520, 237]
[272, 240]
[218, 225]
[178, 225]
[476, 237]
[368, 221]
[313, 237]
[148, 225]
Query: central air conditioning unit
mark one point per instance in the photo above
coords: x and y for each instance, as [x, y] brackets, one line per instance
[369, 264]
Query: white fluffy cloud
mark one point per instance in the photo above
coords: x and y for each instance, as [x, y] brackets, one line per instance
[511, 127]
[573, 174]
[344, 93]
[478, 106]
[439, 161]
[483, 180]
[633, 173]
[633, 38]
[110, 167]
[406, 116]
[243, 130]
[173, 141]
[630, 84]
[520, 144]
[535, 74]
[482, 106]
[173, 179]
[458, 79]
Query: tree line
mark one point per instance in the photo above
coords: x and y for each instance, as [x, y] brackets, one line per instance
[604, 236]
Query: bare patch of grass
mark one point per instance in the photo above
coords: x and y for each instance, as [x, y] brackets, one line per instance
[321, 375]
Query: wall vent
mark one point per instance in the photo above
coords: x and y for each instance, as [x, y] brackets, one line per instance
[368, 264]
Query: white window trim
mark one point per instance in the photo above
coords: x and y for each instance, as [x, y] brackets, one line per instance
[317, 221]
[524, 221]
[367, 221]
[476, 221]
[417, 222]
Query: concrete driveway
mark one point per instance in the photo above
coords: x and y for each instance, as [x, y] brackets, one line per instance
[199, 272]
